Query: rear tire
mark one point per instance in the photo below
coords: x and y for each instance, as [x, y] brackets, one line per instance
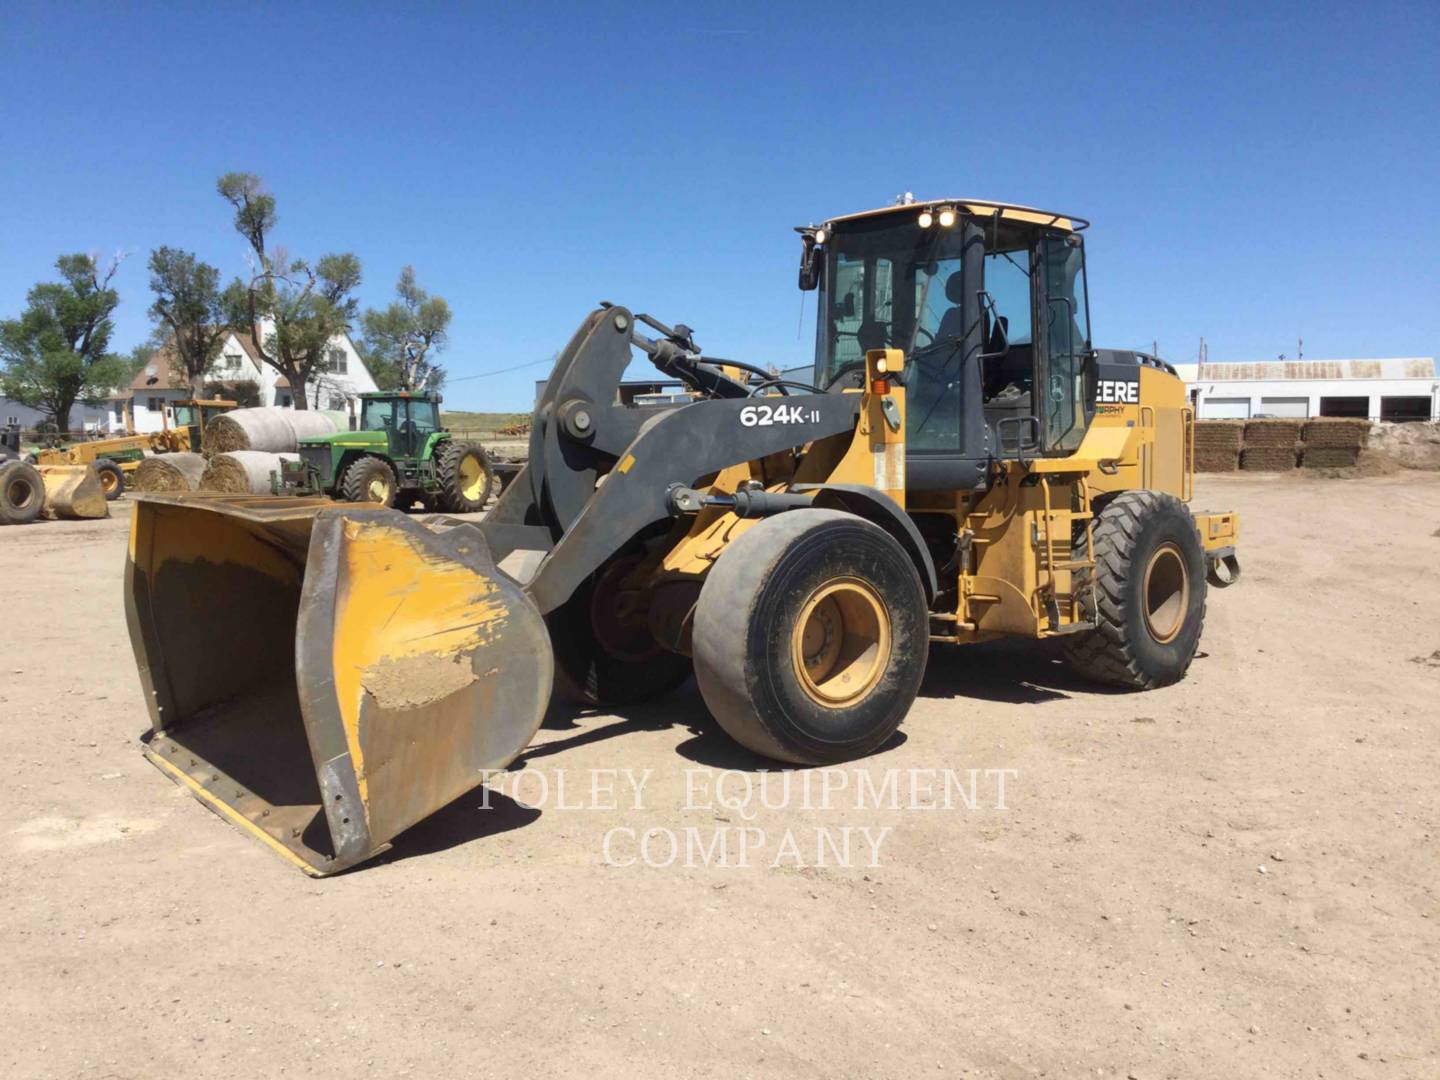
[1150, 588]
[466, 476]
[369, 479]
[22, 493]
[811, 636]
[112, 479]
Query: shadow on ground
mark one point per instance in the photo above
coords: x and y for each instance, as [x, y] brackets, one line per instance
[1011, 671]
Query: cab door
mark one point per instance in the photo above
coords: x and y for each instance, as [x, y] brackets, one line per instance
[403, 442]
[1064, 402]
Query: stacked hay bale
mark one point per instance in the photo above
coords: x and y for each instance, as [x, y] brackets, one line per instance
[1217, 445]
[1270, 445]
[243, 472]
[1334, 443]
[169, 473]
[271, 430]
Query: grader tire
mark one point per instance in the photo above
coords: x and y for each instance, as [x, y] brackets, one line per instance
[112, 479]
[22, 493]
[1150, 589]
[466, 476]
[811, 636]
[369, 480]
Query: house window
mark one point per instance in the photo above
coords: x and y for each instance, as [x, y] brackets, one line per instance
[336, 361]
[12, 421]
[155, 404]
[232, 362]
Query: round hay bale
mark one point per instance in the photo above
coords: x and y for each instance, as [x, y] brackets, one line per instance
[169, 472]
[243, 472]
[271, 430]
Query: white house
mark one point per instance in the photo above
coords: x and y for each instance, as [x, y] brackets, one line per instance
[334, 384]
[1398, 389]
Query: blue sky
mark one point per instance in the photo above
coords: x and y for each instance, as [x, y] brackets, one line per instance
[1253, 171]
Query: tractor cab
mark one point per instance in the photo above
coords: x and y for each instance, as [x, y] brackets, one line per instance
[192, 415]
[407, 420]
[988, 303]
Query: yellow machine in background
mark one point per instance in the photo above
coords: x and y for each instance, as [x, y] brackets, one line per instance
[960, 465]
[115, 458]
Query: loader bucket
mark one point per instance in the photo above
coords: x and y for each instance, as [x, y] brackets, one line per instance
[73, 491]
[324, 675]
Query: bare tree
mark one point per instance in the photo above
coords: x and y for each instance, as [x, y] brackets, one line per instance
[290, 307]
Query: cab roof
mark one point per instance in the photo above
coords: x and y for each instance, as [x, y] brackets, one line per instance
[978, 207]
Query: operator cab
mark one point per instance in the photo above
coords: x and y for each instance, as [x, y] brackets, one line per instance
[988, 303]
[407, 419]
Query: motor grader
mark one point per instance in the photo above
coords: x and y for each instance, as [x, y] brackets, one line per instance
[117, 457]
[961, 465]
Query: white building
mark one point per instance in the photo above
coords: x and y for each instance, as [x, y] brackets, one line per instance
[1400, 389]
[335, 384]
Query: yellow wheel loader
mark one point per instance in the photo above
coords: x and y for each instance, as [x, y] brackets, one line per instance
[959, 465]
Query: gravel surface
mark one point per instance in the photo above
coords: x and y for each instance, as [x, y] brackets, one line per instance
[1232, 877]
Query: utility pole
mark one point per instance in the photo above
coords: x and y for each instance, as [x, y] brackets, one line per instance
[1155, 349]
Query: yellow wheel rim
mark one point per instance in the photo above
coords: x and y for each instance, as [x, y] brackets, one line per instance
[378, 490]
[107, 481]
[840, 645]
[1167, 593]
[472, 477]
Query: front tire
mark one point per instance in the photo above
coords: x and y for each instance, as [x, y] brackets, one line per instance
[604, 655]
[369, 480]
[811, 636]
[1149, 594]
[112, 479]
[466, 476]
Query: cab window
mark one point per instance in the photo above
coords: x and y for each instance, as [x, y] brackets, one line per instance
[378, 415]
[425, 415]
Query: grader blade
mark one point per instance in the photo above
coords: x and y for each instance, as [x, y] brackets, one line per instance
[326, 676]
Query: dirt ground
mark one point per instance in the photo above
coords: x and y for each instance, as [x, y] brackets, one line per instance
[1233, 877]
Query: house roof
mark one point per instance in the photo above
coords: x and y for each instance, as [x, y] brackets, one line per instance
[159, 373]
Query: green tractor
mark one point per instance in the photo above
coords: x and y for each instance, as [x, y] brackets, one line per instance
[398, 455]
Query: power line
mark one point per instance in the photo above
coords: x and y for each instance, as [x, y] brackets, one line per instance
[498, 371]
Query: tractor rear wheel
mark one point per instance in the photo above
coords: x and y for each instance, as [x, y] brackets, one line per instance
[1149, 594]
[369, 479]
[112, 479]
[22, 493]
[811, 636]
[465, 475]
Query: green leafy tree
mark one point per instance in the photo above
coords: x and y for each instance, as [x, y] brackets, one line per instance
[402, 340]
[291, 307]
[187, 307]
[57, 352]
